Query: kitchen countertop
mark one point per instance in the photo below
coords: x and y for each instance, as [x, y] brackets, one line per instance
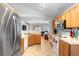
[34, 32]
[29, 33]
[23, 36]
[71, 41]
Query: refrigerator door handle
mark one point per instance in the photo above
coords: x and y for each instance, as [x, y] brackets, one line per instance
[15, 33]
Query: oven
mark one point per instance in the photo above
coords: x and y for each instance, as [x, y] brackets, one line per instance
[56, 44]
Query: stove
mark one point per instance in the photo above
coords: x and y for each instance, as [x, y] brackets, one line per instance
[56, 44]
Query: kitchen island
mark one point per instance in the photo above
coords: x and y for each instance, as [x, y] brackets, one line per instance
[34, 39]
[29, 39]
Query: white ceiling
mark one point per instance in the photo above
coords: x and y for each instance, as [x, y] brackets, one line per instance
[50, 10]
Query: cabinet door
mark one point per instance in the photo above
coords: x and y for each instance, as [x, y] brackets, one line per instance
[37, 39]
[63, 48]
[58, 18]
[22, 43]
[65, 51]
[60, 48]
[68, 19]
[77, 11]
[53, 24]
[63, 17]
[73, 17]
[30, 40]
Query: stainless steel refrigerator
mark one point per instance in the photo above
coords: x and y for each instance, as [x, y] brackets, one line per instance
[9, 32]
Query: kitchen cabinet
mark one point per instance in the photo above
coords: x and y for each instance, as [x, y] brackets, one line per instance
[58, 18]
[66, 49]
[22, 44]
[68, 19]
[63, 48]
[54, 24]
[63, 17]
[34, 39]
[60, 48]
[72, 17]
[77, 9]
[37, 39]
[75, 16]
[30, 40]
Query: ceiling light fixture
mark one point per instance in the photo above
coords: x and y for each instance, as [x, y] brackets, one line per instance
[42, 5]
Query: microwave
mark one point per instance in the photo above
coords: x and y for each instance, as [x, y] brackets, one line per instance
[61, 24]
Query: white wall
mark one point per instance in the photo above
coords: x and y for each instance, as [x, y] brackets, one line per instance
[41, 21]
[24, 31]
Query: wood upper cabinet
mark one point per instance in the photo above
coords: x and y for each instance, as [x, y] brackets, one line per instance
[68, 19]
[54, 24]
[77, 16]
[74, 17]
[63, 17]
[71, 17]
[58, 18]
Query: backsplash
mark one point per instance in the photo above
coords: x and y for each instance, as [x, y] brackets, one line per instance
[65, 32]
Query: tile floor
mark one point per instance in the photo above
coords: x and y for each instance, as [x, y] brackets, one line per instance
[40, 50]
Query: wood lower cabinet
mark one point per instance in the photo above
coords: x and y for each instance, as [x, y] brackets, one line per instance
[22, 44]
[66, 49]
[63, 48]
[37, 39]
[30, 40]
[34, 39]
[60, 48]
